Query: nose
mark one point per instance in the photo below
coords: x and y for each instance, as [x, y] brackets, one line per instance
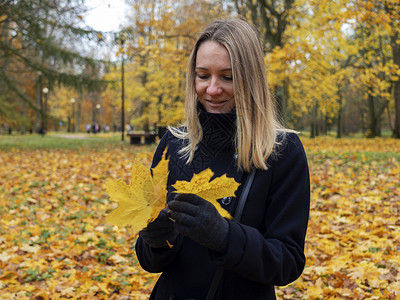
[214, 87]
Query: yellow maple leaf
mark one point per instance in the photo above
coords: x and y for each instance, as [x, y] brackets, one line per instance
[211, 190]
[140, 201]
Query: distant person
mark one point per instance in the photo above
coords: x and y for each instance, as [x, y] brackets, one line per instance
[106, 128]
[231, 128]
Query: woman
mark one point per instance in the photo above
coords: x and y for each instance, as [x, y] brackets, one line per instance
[231, 128]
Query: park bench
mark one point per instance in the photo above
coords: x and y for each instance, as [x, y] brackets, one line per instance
[137, 138]
[5, 131]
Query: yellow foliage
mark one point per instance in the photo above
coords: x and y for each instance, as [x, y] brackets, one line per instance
[141, 201]
[53, 236]
[212, 190]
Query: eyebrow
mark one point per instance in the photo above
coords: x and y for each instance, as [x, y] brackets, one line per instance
[223, 70]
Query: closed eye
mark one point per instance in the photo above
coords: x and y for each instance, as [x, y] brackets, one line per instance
[201, 76]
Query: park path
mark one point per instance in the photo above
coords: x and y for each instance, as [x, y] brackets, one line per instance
[71, 136]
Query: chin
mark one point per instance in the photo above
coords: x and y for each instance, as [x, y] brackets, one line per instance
[218, 110]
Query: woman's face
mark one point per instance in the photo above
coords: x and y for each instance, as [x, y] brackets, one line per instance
[213, 82]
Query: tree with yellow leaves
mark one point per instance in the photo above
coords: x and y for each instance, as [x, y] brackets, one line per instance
[319, 50]
[322, 53]
[377, 35]
[159, 41]
[273, 18]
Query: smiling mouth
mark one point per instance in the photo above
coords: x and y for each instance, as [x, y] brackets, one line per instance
[216, 102]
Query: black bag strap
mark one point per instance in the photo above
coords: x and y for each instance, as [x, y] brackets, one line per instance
[238, 214]
[243, 195]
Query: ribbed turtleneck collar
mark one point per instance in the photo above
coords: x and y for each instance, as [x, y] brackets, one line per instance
[219, 131]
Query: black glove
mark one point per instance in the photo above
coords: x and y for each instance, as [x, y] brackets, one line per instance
[199, 220]
[158, 232]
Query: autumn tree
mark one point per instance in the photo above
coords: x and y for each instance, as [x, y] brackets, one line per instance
[321, 53]
[322, 58]
[272, 18]
[377, 72]
[392, 10]
[160, 37]
[39, 41]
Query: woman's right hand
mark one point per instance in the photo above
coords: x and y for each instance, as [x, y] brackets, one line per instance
[160, 233]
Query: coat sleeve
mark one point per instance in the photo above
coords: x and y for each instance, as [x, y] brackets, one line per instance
[275, 254]
[156, 260]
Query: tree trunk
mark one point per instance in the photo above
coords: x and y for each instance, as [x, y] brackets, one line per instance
[339, 117]
[122, 96]
[159, 112]
[379, 115]
[38, 93]
[24, 117]
[372, 120]
[396, 59]
[78, 109]
[94, 120]
[396, 127]
[395, 44]
[114, 118]
[281, 97]
[4, 36]
[314, 122]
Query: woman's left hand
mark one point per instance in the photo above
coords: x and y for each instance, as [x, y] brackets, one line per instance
[199, 220]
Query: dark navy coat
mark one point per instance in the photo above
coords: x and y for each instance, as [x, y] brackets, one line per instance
[266, 248]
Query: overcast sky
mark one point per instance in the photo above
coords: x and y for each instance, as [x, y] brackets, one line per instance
[106, 15]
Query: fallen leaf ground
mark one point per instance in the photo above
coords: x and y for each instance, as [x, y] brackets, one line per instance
[54, 243]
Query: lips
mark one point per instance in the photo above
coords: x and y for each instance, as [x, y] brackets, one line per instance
[218, 106]
[216, 102]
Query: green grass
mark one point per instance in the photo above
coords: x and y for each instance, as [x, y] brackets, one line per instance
[358, 135]
[53, 141]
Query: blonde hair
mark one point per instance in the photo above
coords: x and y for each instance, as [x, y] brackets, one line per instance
[257, 124]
